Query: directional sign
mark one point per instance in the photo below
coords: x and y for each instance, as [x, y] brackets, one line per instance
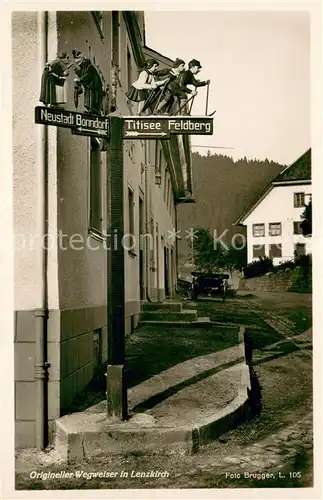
[135, 127]
[84, 123]
[134, 134]
[90, 132]
[160, 127]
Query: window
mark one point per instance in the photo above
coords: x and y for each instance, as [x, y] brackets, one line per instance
[275, 229]
[299, 200]
[297, 227]
[168, 191]
[115, 37]
[258, 251]
[98, 19]
[299, 249]
[165, 183]
[275, 250]
[131, 202]
[129, 68]
[96, 218]
[160, 156]
[156, 154]
[258, 230]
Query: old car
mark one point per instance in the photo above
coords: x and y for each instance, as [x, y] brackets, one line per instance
[209, 284]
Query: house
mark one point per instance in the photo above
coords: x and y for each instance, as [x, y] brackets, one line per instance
[273, 220]
[62, 200]
[218, 181]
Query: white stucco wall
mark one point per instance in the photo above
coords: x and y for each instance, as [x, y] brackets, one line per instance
[27, 157]
[278, 206]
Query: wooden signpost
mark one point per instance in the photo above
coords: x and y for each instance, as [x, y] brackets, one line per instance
[116, 130]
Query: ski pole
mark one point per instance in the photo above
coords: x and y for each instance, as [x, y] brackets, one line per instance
[190, 110]
[207, 98]
[160, 96]
[148, 101]
[186, 102]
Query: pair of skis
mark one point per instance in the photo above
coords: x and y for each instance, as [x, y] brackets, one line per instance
[191, 99]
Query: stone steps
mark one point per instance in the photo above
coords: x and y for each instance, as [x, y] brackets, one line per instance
[200, 322]
[188, 315]
[162, 306]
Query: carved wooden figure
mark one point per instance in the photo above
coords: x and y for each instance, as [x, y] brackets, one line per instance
[53, 80]
[89, 78]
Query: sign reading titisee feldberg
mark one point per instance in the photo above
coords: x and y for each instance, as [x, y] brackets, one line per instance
[137, 127]
[81, 123]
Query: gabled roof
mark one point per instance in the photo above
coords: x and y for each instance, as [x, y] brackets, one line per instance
[156, 55]
[297, 173]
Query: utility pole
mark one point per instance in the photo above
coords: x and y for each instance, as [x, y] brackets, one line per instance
[117, 404]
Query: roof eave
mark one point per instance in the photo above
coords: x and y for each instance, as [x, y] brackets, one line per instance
[134, 34]
[246, 214]
[291, 182]
[157, 55]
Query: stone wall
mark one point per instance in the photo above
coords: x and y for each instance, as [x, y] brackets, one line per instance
[288, 280]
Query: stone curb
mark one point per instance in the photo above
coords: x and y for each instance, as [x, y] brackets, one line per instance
[86, 435]
[177, 324]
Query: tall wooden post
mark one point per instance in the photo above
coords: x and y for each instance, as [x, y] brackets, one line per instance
[116, 384]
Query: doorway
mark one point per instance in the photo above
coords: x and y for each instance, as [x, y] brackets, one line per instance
[166, 271]
[141, 250]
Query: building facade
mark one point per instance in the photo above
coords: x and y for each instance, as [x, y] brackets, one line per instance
[61, 213]
[273, 221]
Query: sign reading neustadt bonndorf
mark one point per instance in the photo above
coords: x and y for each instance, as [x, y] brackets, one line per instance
[80, 122]
[160, 127]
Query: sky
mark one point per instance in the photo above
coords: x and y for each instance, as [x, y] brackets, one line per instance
[259, 67]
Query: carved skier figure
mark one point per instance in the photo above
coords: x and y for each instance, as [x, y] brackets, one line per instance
[139, 90]
[53, 80]
[173, 91]
[89, 78]
[187, 78]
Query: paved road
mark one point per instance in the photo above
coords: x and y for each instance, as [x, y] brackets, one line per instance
[281, 455]
[278, 444]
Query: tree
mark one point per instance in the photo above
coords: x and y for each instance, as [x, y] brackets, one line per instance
[235, 258]
[206, 258]
[306, 224]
